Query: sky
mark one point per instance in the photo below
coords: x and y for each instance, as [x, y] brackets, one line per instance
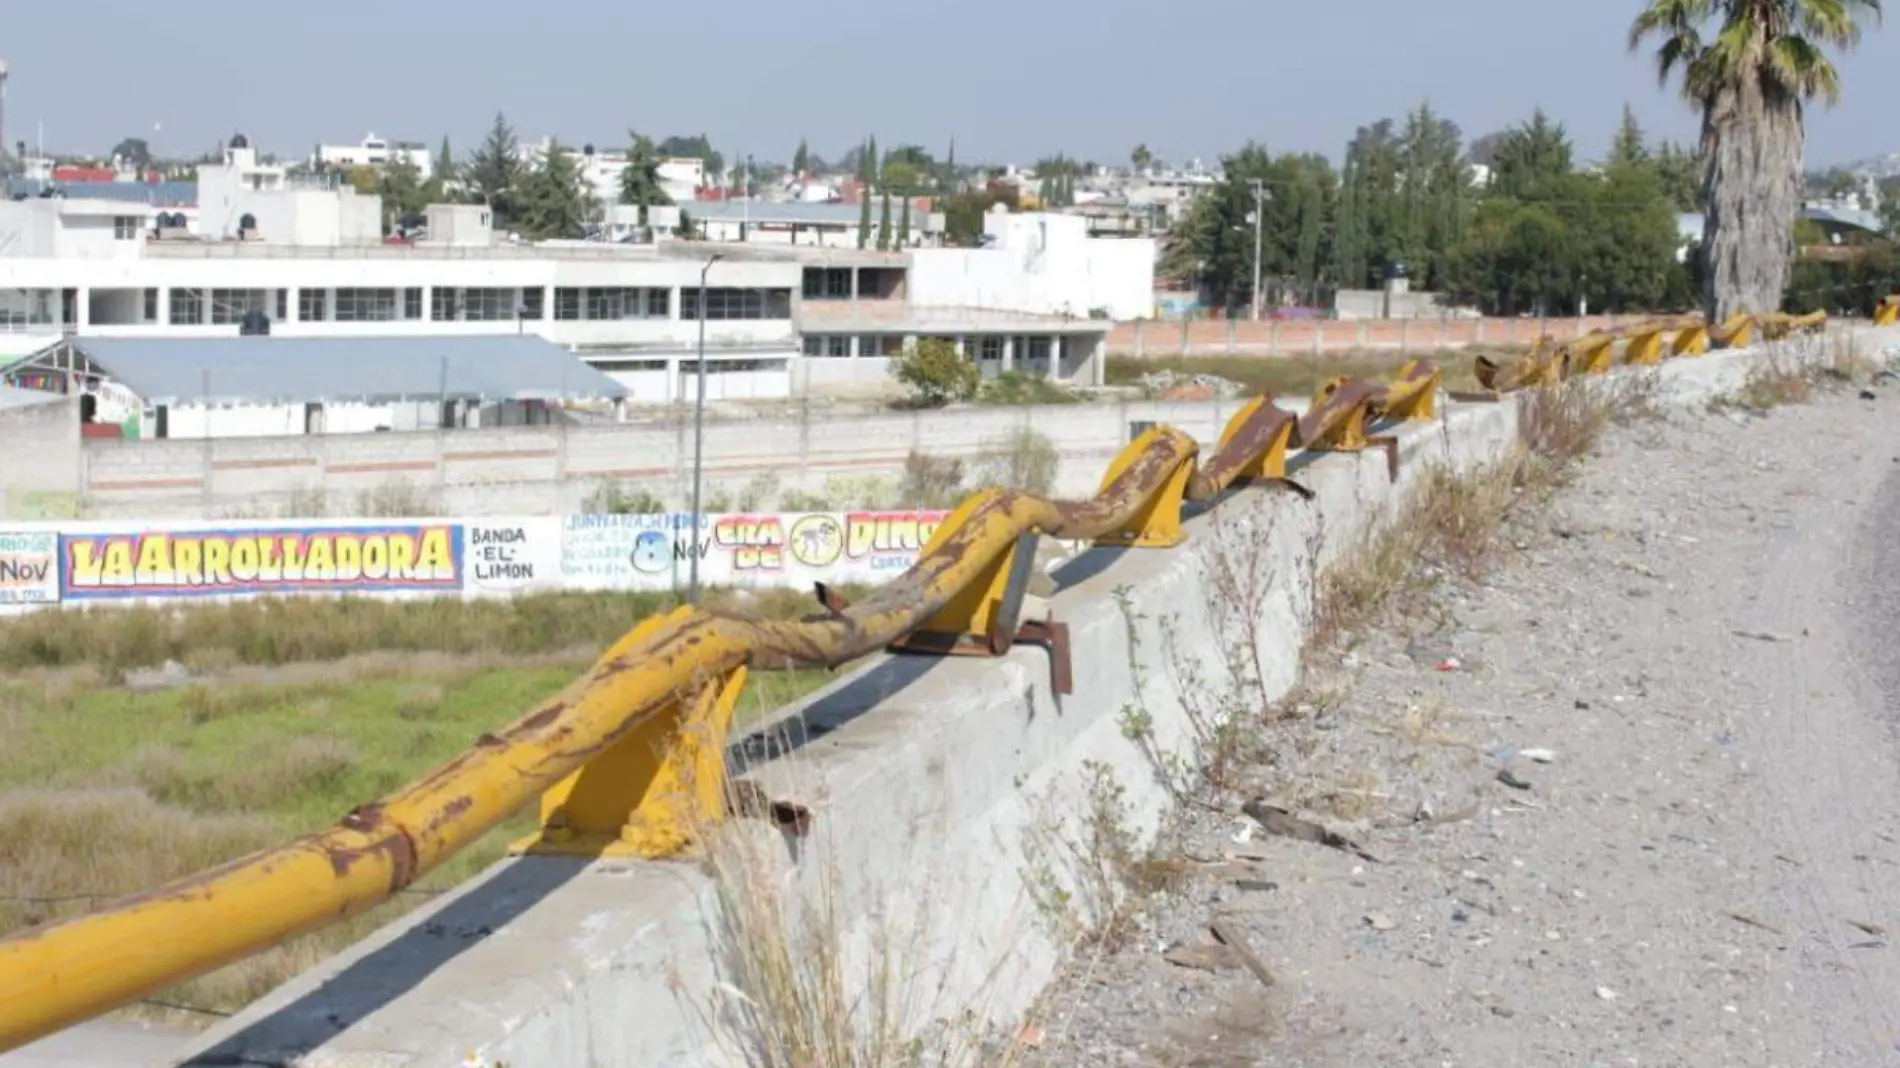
[1189, 78]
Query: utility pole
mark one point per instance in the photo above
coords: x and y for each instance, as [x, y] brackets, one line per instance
[1258, 214]
[699, 435]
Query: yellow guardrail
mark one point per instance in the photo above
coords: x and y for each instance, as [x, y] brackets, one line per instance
[1551, 361]
[630, 758]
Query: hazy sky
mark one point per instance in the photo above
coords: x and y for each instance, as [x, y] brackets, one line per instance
[1010, 82]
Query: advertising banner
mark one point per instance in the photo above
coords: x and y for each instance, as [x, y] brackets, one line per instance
[767, 549]
[512, 555]
[274, 560]
[29, 568]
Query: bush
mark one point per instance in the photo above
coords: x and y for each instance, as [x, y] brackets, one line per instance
[610, 499]
[1014, 387]
[936, 374]
[931, 481]
[1025, 460]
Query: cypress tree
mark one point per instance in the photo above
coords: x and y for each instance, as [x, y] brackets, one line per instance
[884, 225]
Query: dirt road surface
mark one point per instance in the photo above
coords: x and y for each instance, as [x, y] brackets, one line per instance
[1702, 869]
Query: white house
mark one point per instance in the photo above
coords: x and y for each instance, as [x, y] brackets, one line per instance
[374, 151]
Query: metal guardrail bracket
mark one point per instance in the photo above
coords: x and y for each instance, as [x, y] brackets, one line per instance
[647, 792]
[1157, 525]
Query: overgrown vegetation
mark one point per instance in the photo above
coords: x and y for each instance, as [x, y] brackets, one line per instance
[1016, 388]
[286, 715]
[1787, 375]
[1451, 521]
[611, 498]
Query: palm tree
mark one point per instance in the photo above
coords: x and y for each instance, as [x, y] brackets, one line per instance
[1751, 66]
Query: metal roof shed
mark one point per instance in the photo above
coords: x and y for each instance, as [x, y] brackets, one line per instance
[310, 370]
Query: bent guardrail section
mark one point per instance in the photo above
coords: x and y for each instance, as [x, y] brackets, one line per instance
[629, 758]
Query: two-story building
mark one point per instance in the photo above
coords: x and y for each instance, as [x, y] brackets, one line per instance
[774, 320]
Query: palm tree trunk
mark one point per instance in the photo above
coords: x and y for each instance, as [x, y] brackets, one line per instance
[1751, 157]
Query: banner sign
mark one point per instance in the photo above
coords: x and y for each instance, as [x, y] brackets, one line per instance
[29, 567]
[280, 561]
[97, 562]
[513, 555]
[768, 549]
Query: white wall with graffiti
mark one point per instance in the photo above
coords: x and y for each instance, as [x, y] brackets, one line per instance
[90, 563]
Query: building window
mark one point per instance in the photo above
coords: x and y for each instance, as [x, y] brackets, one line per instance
[474, 304]
[990, 348]
[365, 305]
[532, 306]
[737, 304]
[283, 304]
[880, 345]
[313, 305]
[188, 307]
[231, 305]
[729, 367]
[412, 303]
[827, 283]
[126, 227]
[567, 304]
[151, 306]
[627, 365]
[833, 346]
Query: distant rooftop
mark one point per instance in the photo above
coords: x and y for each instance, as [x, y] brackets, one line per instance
[292, 370]
[695, 251]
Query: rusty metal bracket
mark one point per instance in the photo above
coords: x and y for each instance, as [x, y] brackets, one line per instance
[1157, 522]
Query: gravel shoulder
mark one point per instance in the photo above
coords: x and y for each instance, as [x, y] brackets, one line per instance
[1703, 869]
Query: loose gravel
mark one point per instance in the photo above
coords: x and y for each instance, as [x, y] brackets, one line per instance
[1684, 669]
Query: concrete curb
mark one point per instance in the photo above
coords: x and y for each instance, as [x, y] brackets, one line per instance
[942, 788]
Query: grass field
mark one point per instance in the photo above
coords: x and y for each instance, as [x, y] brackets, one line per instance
[1289, 376]
[295, 712]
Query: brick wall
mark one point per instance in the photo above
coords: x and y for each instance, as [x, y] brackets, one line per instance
[1245, 337]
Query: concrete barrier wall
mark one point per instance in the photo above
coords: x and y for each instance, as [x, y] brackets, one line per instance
[40, 459]
[938, 788]
[548, 470]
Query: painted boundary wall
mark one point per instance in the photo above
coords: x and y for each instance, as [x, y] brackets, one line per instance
[937, 787]
[90, 563]
[553, 470]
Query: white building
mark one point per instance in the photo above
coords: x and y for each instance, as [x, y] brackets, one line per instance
[680, 179]
[374, 151]
[779, 318]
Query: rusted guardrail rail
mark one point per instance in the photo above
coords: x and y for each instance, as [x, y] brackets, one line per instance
[630, 758]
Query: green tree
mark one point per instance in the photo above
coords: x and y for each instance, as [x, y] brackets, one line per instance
[1529, 155]
[864, 216]
[1680, 174]
[640, 183]
[1889, 210]
[551, 199]
[1141, 157]
[801, 159]
[1214, 243]
[134, 152]
[1751, 67]
[1628, 148]
[685, 230]
[884, 223]
[935, 373]
[699, 148]
[963, 213]
[364, 180]
[402, 189]
[494, 169]
[903, 225]
[444, 164]
[868, 166]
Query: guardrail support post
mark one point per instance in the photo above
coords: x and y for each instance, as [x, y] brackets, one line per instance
[646, 794]
[1158, 524]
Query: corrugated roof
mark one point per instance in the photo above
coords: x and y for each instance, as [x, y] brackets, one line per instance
[302, 370]
[164, 194]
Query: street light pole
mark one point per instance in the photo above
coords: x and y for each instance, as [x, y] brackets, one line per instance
[1257, 214]
[699, 434]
